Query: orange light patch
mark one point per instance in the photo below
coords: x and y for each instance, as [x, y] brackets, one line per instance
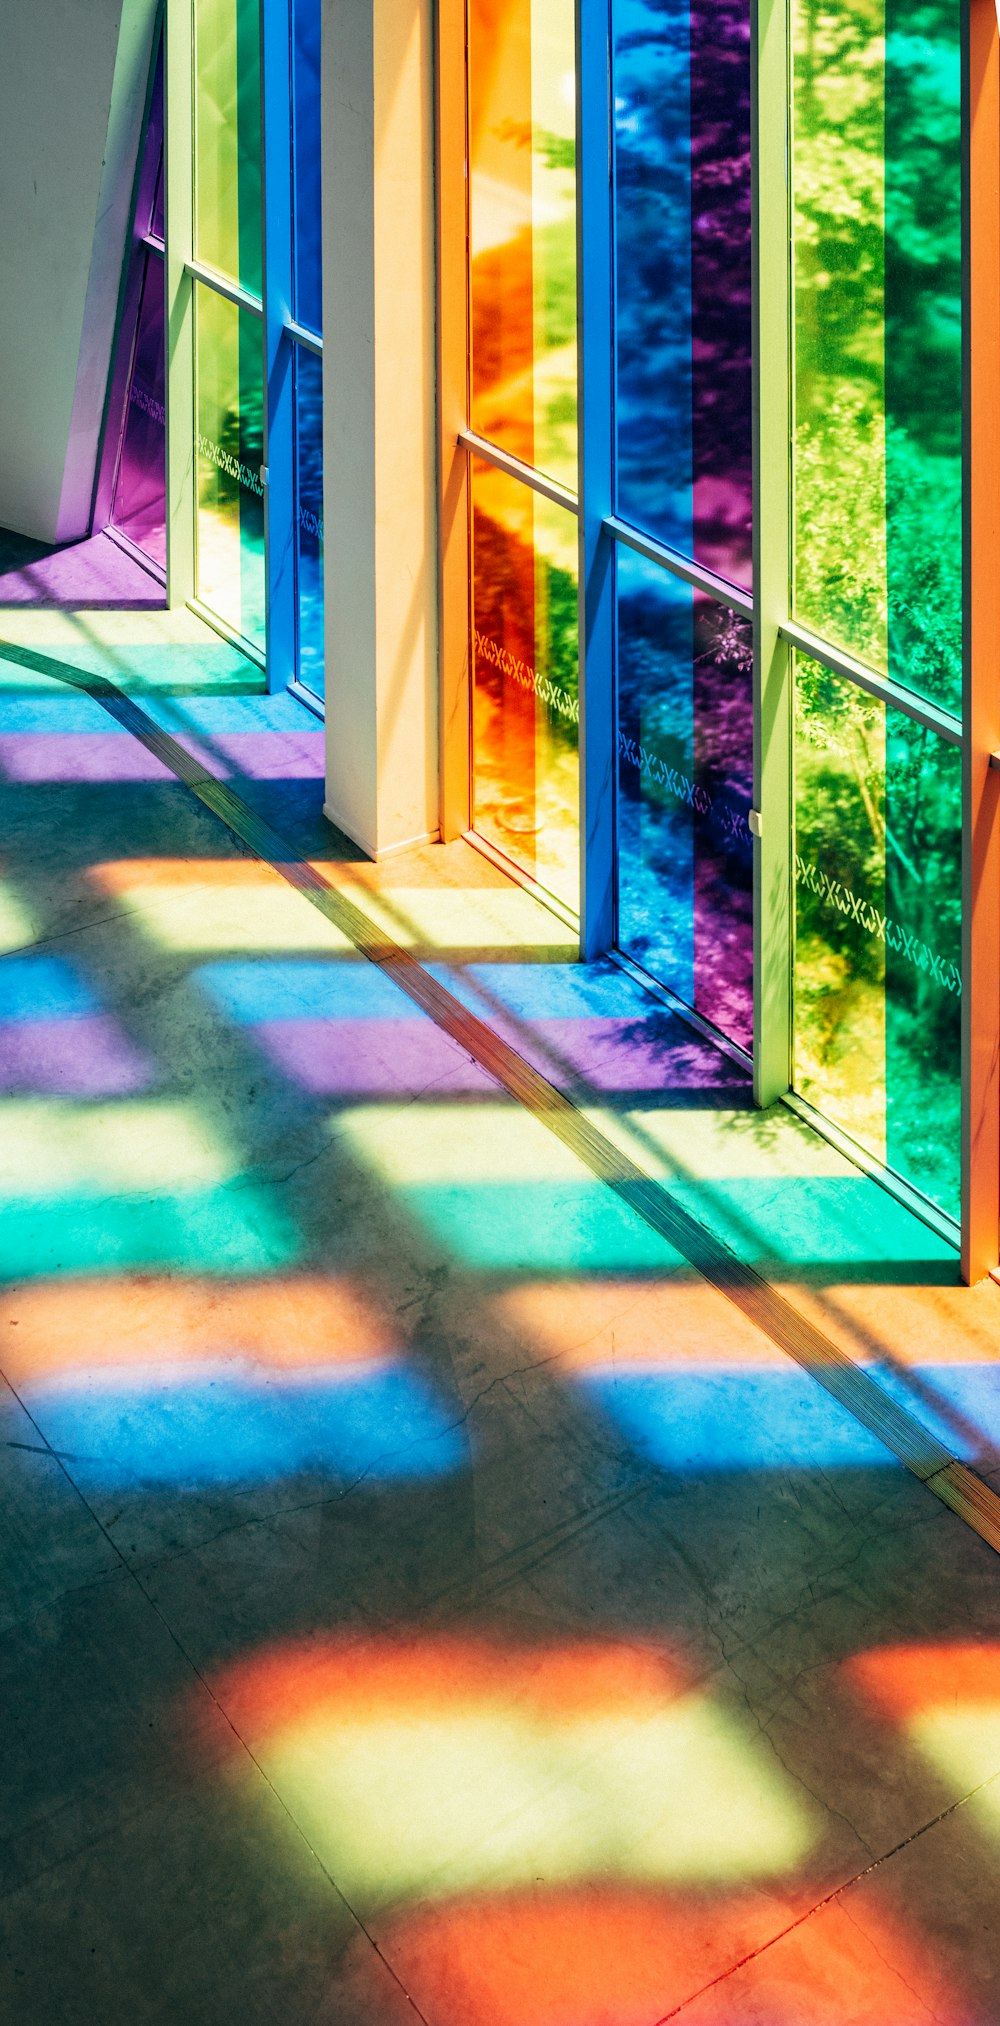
[676, 1323]
[600, 1958]
[285, 1324]
[357, 1680]
[908, 1681]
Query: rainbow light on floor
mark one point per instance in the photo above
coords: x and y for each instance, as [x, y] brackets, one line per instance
[184, 1384]
[421, 1767]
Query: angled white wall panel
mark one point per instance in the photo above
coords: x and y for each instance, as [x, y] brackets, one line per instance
[72, 91]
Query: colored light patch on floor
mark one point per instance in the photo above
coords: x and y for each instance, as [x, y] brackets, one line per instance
[206, 904]
[88, 1057]
[339, 1029]
[209, 1231]
[688, 1380]
[500, 1192]
[66, 1149]
[17, 923]
[426, 1770]
[594, 1023]
[603, 1958]
[289, 1324]
[54, 1038]
[946, 1698]
[82, 757]
[194, 1424]
[366, 1057]
[460, 918]
[691, 1421]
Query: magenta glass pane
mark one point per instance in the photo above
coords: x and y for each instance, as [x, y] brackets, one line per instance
[139, 507]
[682, 276]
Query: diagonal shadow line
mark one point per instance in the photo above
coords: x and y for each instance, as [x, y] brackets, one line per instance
[951, 1481]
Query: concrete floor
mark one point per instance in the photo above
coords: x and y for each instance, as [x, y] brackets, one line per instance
[425, 1597]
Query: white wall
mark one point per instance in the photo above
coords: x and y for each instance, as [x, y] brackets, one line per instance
[72, 89]
[379, 435]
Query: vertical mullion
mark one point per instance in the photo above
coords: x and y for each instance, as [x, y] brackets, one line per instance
[279, 378]
[596, 576]
[772, 405]
[179, 181]
[981, 634]
[453, 462]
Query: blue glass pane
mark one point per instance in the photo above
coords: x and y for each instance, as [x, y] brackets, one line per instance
[685, 777]
[682, 276]
[306, 218]
[309, 518]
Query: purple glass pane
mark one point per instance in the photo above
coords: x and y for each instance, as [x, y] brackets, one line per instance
[682, 261]
[139, 508]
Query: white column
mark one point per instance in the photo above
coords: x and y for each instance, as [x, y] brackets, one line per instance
[380, 540]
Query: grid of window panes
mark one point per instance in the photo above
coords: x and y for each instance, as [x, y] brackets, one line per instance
[523, 397]
[876, 225]
[231, 204]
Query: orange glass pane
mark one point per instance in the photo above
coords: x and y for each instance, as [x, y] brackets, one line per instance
[522, 229]
[525, 702]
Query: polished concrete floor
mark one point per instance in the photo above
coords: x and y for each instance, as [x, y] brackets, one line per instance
[425, 1596]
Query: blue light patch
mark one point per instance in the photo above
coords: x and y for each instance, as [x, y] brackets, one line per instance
[705, 1422]
[214, 1425]
[43, 988]
[343, 988]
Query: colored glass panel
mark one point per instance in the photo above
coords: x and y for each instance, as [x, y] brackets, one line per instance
[682, 276]
[307, 269]
[685, 779]
[230, 402]
[227, 118]
[309, 517]
[877, 925]
[878, 333]
[522, 229]
[525, 708]
[139, 508]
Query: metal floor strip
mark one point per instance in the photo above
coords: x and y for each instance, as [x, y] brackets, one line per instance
[958, 1487]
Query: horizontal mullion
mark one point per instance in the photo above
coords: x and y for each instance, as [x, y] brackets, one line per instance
[152, 243]
[230, 289]
[679, 566]
[882, 687]
[503, 461]
[306, 338]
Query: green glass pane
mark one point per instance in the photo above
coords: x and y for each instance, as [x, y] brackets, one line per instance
[876, 182]
[227, 126]
[230, 444]
[878, 929]
[525, 699]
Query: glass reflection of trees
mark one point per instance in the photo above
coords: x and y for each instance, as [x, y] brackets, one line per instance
[877, 227]
[682, 279]
[878, 928]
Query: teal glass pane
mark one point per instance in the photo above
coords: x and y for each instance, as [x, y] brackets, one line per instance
[876, 195]
[309, 519]
[227, 138]
[878, 803]
[230, 447]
